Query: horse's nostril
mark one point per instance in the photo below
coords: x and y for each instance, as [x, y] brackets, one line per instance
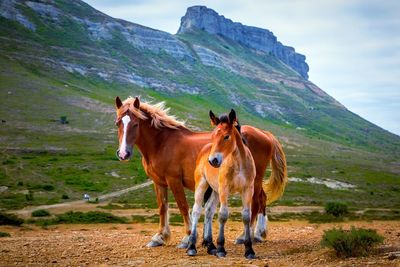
[215, 161]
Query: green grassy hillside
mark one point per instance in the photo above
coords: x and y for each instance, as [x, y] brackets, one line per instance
[59, 70]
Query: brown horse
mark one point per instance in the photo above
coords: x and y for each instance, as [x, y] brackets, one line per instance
[228, 167]
[169, 151]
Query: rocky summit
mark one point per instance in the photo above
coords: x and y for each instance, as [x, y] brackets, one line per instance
[206, 19]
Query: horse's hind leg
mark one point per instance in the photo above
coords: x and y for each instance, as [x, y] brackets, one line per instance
[210, 208]
[179, 194]
[257, 214]
[164, 233]
[261, 229]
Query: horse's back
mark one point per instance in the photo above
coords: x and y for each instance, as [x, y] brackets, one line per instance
[260, 144]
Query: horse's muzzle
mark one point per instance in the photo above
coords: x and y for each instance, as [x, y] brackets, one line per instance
[216, 160]
[124, 156]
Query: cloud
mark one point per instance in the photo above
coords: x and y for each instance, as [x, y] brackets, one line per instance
[352, 47]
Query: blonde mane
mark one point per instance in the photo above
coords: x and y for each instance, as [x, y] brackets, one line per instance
[157, 112]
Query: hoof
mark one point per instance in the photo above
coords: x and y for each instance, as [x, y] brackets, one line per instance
[258, 239]
[250, 256]
[249, 253]
[211, 249]
[239, 241]
[221, 254]
[191, 252]
[183, 245]
[153, 244]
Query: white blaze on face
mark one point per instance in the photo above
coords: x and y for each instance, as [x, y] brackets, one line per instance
[122, 150]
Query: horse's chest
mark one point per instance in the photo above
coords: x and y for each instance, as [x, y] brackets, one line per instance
[235, 180]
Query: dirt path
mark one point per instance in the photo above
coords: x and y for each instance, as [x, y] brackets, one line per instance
[70, 205]
[289, 244]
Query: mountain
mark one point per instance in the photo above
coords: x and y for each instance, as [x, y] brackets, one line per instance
[64, 58]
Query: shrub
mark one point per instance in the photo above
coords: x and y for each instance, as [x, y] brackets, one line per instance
[4, 234]
[48, 187]
[40, 213]
[29, 196]
[352, 243]
[336, 209]
[65, 196]
[10, 219]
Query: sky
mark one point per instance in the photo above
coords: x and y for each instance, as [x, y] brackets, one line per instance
[351, 46]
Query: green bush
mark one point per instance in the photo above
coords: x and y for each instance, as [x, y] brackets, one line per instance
[353, 243]
[4, 234]
[336, 209]
[40, 213]
[10, 219]
[65, 196]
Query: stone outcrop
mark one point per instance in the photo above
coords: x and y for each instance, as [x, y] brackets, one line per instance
[203, 18]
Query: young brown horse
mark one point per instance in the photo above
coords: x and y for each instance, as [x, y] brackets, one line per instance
[228, 167]
[169, 151]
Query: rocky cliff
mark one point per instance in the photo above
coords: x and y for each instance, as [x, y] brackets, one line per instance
[203, 18]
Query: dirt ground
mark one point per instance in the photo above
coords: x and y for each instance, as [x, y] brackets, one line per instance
[291, 243]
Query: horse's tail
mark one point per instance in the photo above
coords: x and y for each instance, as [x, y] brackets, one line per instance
[276, 183]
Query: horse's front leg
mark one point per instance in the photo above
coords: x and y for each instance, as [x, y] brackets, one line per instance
[246, 217]
[222, 218]
[175, 183]
[210, 208]
[164, 232]
[201, 188]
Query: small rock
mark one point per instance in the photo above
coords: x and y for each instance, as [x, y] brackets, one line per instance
[394, 255]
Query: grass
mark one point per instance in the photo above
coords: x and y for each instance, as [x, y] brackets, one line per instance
[352, 243]
[72, 217]
[318, 217]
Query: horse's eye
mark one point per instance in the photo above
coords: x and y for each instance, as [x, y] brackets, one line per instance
[226, 137]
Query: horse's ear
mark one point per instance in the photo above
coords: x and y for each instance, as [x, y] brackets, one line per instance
[214, 120]
[118, 102]
[136, 103]
[232, 116]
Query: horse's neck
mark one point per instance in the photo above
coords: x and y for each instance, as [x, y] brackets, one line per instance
[239, 143]
[150, 139]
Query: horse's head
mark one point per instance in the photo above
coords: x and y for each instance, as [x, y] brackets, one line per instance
[128, 127]
[223, 137]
